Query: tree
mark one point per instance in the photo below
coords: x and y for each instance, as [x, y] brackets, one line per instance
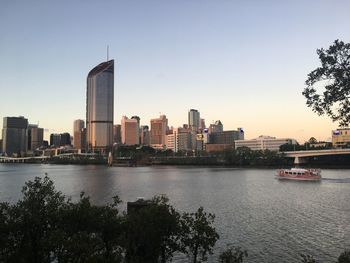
[32, 223]
[312, 140]
[334, 77]
[198, 235]
[152, 232]
[233, 255]
[344, 257]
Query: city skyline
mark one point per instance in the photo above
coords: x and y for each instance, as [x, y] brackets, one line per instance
[242, 63]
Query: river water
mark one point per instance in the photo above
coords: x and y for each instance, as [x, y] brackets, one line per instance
[274, 220]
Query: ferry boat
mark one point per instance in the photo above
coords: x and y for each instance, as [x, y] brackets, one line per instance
[299, 174]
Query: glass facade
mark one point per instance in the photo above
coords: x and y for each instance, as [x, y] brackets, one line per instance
[99, 107]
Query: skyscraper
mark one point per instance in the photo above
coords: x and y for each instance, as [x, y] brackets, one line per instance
[14, 135]
[78, 127]
[193, 119]
[99, 107]
[158, 131]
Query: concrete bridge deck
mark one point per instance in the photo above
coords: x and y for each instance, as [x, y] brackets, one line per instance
[300, 156]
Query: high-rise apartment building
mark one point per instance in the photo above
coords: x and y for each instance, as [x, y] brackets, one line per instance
[158, 131]
[78, 127]
[99, 107]
[193, 120]
[14, 135]
[130, 131]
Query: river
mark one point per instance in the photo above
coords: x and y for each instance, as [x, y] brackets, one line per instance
[274, 220]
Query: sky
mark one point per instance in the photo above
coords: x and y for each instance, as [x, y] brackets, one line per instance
[242, 62]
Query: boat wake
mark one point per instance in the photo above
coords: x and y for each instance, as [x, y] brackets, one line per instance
[337, 180]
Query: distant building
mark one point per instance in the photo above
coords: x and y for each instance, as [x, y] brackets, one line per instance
[158, 131]
[78, 139]
[216, 127]
[99, 107]
[65, 139]
[341, 137]
[194, 120]
[130, 131]
[179, 140]
[264, 143]
[37, 138]
[0, 145]
[144, 135]
[14, 135]
[117, 137]
[211, 148]
[226, 137]
[55, 139]
[202, 125]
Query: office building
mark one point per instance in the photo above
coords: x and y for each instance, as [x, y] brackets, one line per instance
[130, 131]
[55, 140]
[194, 120]
[36, 138]
[144, 135]
[179, 140]
[14, 135]
[99, 107]
[341, 137]
[78, 139]
[158, 131]
[264, 143]
[216, 127]
[65, 139]
[226, 137]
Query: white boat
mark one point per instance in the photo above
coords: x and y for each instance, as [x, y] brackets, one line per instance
[299, 174]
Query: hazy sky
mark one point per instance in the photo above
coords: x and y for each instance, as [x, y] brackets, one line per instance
[243, 62]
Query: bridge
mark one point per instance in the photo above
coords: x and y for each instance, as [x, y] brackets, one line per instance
[301, 156]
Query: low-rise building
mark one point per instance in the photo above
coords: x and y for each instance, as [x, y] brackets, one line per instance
[341, 137]
[211, 148]
[264, 143]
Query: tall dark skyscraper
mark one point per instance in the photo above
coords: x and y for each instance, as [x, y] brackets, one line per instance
[14, 135]
[99, 107]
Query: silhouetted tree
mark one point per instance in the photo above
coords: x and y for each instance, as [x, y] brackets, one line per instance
[198, 234]
[233, 255]
[344, 257]
[334, 77]
[152, 232]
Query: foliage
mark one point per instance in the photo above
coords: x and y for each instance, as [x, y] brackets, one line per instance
[152, 232]
[344, 257]
[233, 255]
[45, 226]
[198, 235]
[334, 76]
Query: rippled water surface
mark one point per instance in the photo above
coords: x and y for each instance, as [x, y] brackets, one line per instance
[274, 220]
